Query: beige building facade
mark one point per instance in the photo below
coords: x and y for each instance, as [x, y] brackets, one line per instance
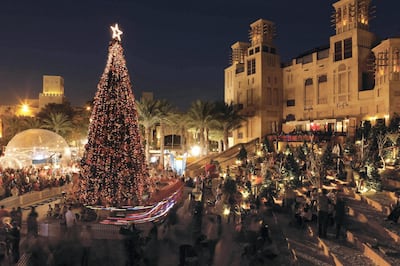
[332, 89]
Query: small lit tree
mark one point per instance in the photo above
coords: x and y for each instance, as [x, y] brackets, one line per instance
[393, 137]
[373, 181]
[381, 140]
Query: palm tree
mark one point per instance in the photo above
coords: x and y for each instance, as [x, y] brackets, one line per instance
[180, 122]
[200, 117]
[12, 125]
[165, 110]
[229, 118]
[31, 122]
[80, 127]
[148, 118]
[64, 108]
[58, 122]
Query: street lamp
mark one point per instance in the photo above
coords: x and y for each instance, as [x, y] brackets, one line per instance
[196, 150]
[25, 110]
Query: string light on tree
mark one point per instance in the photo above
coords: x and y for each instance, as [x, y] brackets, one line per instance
[113, 167]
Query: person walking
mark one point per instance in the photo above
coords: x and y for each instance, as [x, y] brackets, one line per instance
[151, 250]
[131, 240]
[15, 237]
[13, 214]
[339, 214]
[232, 214]
[323, 213]
[213, 234]
[32, 222]
[3, 213]
[18, 216]
[86, 241]
[70, 220]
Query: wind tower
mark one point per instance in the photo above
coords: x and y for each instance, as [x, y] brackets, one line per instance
[253, 82]
[351, 50]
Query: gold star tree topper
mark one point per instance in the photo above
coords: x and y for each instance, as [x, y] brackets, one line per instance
[116, 32]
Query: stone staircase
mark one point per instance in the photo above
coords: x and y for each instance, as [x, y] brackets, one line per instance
[226, 158]
[303, 247]
[369, 240]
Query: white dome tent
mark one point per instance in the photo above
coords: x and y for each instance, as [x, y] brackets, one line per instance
[36, 146]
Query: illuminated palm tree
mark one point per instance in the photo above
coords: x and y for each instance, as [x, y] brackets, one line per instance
[31, 122]
[64, 108]
[12, 125]
[80, 126]
[58, 122]
[229, 119]
[179, 121]
[200, 117]
[165, 110]
[148, 117]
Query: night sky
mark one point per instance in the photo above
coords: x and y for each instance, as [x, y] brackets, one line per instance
[177, 49]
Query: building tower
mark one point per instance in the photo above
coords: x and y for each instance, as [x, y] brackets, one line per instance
[351, 51]
[331, 88]
[53, 91]
[253, 82]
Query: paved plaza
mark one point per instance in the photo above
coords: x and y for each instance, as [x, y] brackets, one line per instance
[367, 239]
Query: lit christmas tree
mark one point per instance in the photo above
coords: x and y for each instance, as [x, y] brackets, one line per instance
[113, 167]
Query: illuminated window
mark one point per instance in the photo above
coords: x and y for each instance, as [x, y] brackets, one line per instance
[382, 62]
[344, 15]
[338, 15]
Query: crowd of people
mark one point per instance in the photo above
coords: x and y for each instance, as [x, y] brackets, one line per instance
[10, 235]
[15, 182]
[326, 206]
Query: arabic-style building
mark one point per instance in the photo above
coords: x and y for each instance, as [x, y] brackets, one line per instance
[353, 80]
[53, 92]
